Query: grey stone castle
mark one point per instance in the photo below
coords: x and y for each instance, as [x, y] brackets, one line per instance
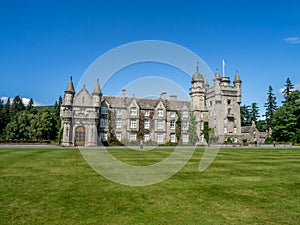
[92, 119]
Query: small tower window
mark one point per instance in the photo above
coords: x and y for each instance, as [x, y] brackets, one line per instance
[228, 101]
[229, 111]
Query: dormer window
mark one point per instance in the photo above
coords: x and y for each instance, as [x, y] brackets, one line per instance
[172, 114]
[119, 112]
[147, 112]
[160, 112]
[185, 114]
[133, 111]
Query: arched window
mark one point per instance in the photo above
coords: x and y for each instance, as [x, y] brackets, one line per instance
[229, 111]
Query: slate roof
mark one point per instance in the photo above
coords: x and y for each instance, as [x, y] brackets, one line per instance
[97, 89]
[70, 87]
[146, 103]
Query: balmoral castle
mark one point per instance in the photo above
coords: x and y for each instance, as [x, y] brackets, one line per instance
[91, 119]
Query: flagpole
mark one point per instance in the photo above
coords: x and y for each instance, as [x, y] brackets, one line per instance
[223, 67]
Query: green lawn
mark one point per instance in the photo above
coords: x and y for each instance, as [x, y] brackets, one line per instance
[242, 186]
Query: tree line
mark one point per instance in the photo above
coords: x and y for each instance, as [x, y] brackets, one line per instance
[28, 123]
[283, 121]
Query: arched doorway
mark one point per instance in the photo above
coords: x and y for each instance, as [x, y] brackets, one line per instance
[79, 136]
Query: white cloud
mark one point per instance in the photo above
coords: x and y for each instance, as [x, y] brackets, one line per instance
[297, 86]
[25, 101]
[292, 40]
[281, 90]
[4, 99]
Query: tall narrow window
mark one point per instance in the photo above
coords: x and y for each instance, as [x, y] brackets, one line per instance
[119, 136]
[119, 112]
[103, 110]
[185, 125]
[185, 138]
[103, 122]
[147, 112]
[172, 114]
[133, 124]
[229, 111]
[201, 125]
[172, 124]
[146, 137]
[160, 124]
[172, 138]
[160, 138]
[118, 123]
[185, 114]
[146, 124]
[132, 137]
[103, 136]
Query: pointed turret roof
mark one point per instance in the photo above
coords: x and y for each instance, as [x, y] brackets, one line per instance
[97, 89]
[70, 87]
[237, 77]
[217, 75]
[205, 81]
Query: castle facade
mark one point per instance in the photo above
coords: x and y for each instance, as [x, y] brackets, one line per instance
[93, 119]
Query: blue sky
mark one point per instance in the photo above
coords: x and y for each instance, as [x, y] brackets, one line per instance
[43, 43]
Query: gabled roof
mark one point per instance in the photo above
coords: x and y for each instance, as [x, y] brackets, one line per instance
[83, 98]
[146, 103]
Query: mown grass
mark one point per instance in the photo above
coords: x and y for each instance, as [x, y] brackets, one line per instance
[56, 186]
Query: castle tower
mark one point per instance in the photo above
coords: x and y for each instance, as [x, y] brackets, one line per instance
[97, 94]
[69, 94]
[197, 91]
[66, 114]
[198, 97]
[217, 84]
[238, 85]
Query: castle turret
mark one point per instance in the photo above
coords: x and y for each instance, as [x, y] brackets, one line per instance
[197, 91]
[97, 94]
[217, 82]
[69, 94]
[66, 114]
[237, 84]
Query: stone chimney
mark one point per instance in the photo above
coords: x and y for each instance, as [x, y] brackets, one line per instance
[163, 96]
[124, 93]
[173, 97]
